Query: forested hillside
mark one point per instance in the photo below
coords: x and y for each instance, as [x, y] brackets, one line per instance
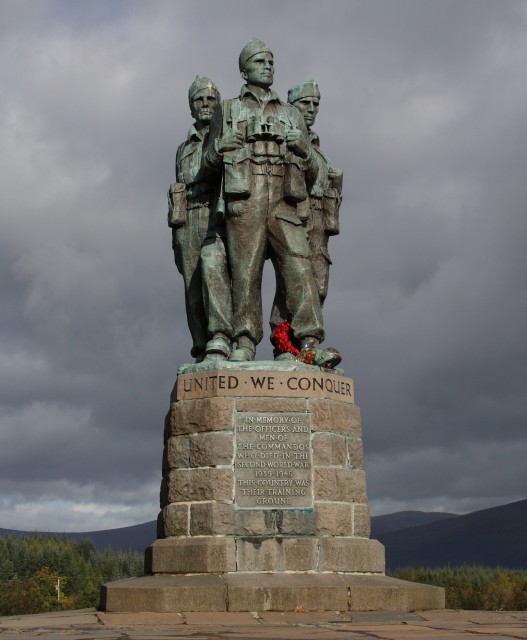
[49, 574]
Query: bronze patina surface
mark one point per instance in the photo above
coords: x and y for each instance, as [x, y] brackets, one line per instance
[251, 185]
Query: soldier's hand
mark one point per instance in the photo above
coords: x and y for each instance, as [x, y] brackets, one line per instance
[232, 139]
[335, 177]
[297, 142]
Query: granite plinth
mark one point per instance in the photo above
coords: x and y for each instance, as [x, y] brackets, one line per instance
[269, 592]
[217, 554]
[263, 500]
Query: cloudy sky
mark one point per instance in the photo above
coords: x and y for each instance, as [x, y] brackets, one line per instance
[424, 107]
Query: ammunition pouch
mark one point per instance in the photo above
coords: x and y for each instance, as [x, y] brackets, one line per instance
[177, 205]
[330, 207]
[268, 169]
[237, 173]
[295, 190]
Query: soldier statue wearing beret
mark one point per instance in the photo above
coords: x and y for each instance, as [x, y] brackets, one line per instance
[268, 166]
[324, 202]
[198, 234]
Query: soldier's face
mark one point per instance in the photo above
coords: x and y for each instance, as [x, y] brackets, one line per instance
[309, 108]
[203, 105]
[259, 70]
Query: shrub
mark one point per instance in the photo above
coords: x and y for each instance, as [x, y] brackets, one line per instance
[474, 587]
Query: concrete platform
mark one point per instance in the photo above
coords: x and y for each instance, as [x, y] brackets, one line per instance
[285, 592]
[431, 625]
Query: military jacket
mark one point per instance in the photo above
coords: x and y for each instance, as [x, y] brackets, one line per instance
[189, 170]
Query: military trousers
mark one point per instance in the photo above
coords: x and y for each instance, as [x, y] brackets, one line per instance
[201, 258]
[265, 225]
[317, 239]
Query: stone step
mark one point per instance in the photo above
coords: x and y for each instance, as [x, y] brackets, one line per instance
[269, 592]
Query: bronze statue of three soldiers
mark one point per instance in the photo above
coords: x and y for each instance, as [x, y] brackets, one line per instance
[252, 184]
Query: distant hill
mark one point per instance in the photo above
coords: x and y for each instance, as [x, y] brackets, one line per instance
[491, 537]
[135, 538]
[405, 519]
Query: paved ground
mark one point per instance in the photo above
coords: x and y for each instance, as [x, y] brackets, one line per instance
[428, 625]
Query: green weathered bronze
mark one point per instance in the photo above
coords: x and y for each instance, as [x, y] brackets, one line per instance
[198, 234]
[324, 200]
[251, 162]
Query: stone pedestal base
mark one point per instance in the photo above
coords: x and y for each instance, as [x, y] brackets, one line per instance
[269, 592]
[263, 471]
[263, 500]
[222, 554]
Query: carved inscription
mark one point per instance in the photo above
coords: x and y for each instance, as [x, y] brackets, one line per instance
[273, 461]
[290, 384]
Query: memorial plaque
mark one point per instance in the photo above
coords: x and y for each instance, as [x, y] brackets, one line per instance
[273, 461]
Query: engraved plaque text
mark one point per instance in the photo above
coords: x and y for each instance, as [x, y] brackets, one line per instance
[273, 461]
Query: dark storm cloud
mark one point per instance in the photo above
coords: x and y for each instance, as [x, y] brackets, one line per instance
[423, 108]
